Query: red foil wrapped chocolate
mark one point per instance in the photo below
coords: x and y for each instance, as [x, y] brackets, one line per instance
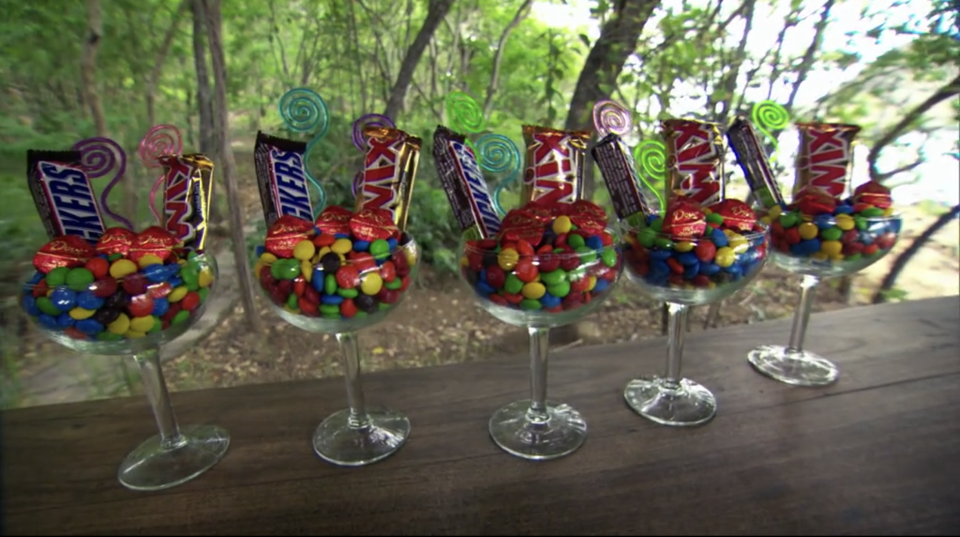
[588, 216]
[813, 201]
[285, 233]
[873, 193]
[736, 214]
[116, 240]
[372, 223]
[154, 240]
[685, 220]
[64, 251]
[521, 225]
[334, 219]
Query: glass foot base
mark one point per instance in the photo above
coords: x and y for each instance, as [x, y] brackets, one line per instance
[338, 442]
[562, 433]
[153, 467]
[678, 405]
[800, 368]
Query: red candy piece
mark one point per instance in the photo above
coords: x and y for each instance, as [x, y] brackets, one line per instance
[499, 300]
[285, 233]
[41, 289]
[736, 214]
[388, 296]
[373, 223]
[324, 239]
[705, 251]
[309, 308]
[191, 300]
[388, 271]
[348, 276]
[171, 313]
[159, 290]
[513, 298]
[299, 286]
[569, 261]
[870, 249]
[311, 295]
[363, 262]
[792, 235]
[549, 262]
[496, 277]
[116, 240]
[74, 333]
[64, 251]
[334, 219]
[525, 248]
[404, 283]
[873, 193]
[579, 285]
[348, 309]
[684, 220]
[99, 266]
[135, 284]
[154, 240]
[104, 287]
[141, 305]
[525, 270]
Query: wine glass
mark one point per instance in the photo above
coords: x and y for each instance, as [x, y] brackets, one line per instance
[340, 285]
[820, 246]
[555, 284]
[684, 272]
[108, 307]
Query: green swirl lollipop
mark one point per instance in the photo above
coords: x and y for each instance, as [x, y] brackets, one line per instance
[769, 116]
[651, 159]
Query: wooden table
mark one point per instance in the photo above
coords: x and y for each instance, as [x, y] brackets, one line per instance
[876, 453]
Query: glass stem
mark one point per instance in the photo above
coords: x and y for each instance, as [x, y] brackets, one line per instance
[539, 347]
[156, 388]
[808, 289]
[676, 331]
[350, 359]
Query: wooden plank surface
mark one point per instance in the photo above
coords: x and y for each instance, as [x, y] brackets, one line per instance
[876, 453]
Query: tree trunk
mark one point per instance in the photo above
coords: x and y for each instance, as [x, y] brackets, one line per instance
[522, 12]
[435, 14]
[222, 122]
[88, 65]
[208, 141]
[158, 63]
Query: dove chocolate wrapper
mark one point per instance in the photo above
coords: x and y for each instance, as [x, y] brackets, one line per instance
[620, 174]
[554, 165]
[185, 199]
[282, 178]
[389, 171]
[695, 156]
[753, 161]
[464, 184]
[63, 195]
[825, 158]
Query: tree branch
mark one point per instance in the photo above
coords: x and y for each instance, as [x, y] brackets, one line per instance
[159, 61]
[521, 13]
[806, 64]
[902, 169]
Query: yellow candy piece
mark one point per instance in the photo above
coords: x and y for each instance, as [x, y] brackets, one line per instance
[306, 269]
[711, 285]
[182, 262]
[765, 220]
[323, 251]
[739, 244]
[845, 222]
[683, 246]
[205, 279]
[591, 282]
[304, 250]
[257, 267]
[838, 257]
[121, 324]
[562, 225]
[150, 259]
[806, 217]
[533, 290]
[706, 211]
[123, 267]
[342, 246]
[730, 233]
[142, 324]
[464, 262]
[371, 284]
[268, 258]
[808, 231]
[507, 258]
[831, 248]
[133, 334]
[725, 256]
[888, 211]
[774, 212]
[819, 256]
[81, 314]
[177, 294]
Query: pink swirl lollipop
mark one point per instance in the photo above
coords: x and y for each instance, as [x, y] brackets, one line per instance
[159, 141]
[369, 120]
[611, 117]
[99, 156]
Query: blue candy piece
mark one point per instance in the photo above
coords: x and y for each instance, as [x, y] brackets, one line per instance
[483, 276]
[48, 321]
[810, 246]
[657, 279]
[89, 327]
[317, 279]
[392, 243]
[895, 225]
[64, 320]
[709, 269]
[660, 255]
[361, 246]
[843, 209]
[63, 298]
[160, 307]
[550, 301]
[824, 221]
[155, 273]
[718, 238]
[594, 242]
[29, 305]
[687, 258]
[37, 276]
[331, 299]
[748, 268]
[797, 250]
[736, 275]
[259, 250]
[747, 257]
[651, 218]
[175, 281]
[659, 268]
[733, 269]
[689, 271]
[89, 301]
[600, 286]
[341, 236]
[484, 288]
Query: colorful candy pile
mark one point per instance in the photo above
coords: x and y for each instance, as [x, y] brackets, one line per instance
[822, 228]
[344, 265]
[127, 286]
[547, 256]
[692, 247]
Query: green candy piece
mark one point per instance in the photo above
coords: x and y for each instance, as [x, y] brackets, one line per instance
[577, 273]
[181, 317]
[831, 234]
[664, 243]
[79, 279]
[330, 309]
[204, 294]
[876, 253]
[330, 286]
[385, 306]
[113, 257]
[714, 218]
[276, 270]
[512, 285]
[191, 273]
[560, 289]
[530, 304]
[576, 241]
[788, 219]
[609, 256]
[573, 227]
[397, 283]
[647, 237]
[57, 276]
[292, 301]
[872, 212]
[853, 257]
[587, 255]
[107, 335]
[360, 315]
[289, 269]
[193, 255]
[861, 222]
[559, 250]
[380, 249]
[553, 277]
[348, 293]
[657, 225]
[157, 326]
[46, 306]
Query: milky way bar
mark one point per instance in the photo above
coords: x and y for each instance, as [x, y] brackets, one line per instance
[464, 184]
[281, 174]
[389, 171]
[63, 196]
[753, 161]
[620, 174]
[186, 198]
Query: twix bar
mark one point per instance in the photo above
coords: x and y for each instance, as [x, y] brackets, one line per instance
[554, 165]
[825, 157]
[282, 178]
[694, 160]
[185, 198]
[389, 171]
[464, 184]
[63, 196]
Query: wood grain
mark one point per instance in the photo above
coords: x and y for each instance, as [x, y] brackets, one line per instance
[876, 453]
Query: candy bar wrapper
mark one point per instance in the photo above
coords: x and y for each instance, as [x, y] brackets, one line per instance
[754, 163]
[620, 174]
[63, 195]
[554, 159]
[694, 160]
[825, 158]
[389, 171]
[205, 166]
[281, 175]
[185, 198]
[464, 184]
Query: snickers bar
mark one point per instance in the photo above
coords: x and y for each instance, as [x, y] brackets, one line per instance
[464, 184]
[63, 196]
[282, 178]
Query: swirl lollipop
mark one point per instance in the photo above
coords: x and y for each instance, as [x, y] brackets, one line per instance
[369, 120]
[99, 156]
[465, 113]
[303, 110]
[498, 154]
[651, 158]
[160, 140]
[611, 117]
[769, 116]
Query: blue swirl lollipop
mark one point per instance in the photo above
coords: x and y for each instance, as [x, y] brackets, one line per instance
[303, 110]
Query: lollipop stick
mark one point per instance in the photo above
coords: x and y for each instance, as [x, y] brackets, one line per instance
[498, 154]
[303, 110]
[99, 156]
[160, 140]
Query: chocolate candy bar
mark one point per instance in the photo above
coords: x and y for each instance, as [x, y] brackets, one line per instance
[694, 160]
[389, 170]
[63, 196]
[825, 157]
[464, 184]
[554, 165]
[185, 198]
[754, 163]
[282, 179]
[620, 174]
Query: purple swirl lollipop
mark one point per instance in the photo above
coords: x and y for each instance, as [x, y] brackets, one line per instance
[369, 120]
[611, 117]
[99, 157]
[159, 141]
